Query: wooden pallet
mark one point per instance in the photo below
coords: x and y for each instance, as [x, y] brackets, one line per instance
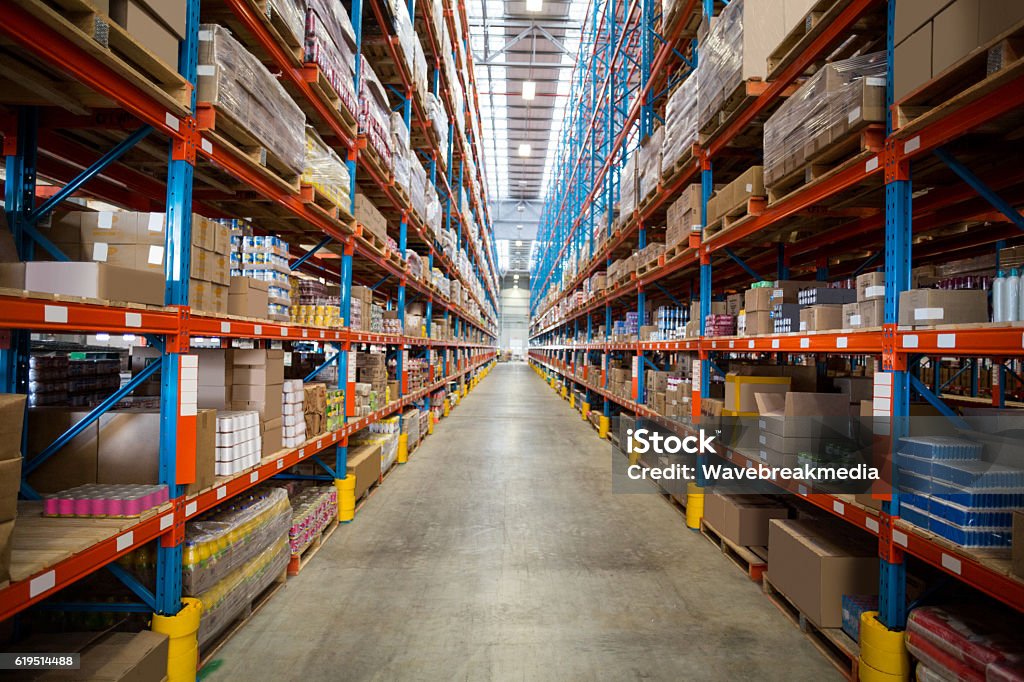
[836, 155]
[735, 102]
[371, 157]
[964, 82]
[272, 23]
[684, 164]
[817, 19]
[833, 643]
[312, 195]
[223, 129]
[325, 92]
[298, 561]
[752, 560]
[753, 206]
[210, 650]
[82, 24]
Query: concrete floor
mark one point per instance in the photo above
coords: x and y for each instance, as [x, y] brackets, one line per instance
[499, 552]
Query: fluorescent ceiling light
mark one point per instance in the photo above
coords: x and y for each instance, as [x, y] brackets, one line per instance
[529, 90]
[519, 242]
[525, 149]
[534, 5]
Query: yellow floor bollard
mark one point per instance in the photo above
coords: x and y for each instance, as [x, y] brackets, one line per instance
[585, 411]
[183, 645]
[694, 505]
[403, 448]
[346, 497]
[430, 423]
[572, 401]
[603, 426]
[447, 408]
[883, 652]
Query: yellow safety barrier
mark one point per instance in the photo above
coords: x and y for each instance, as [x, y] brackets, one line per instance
[585, 411]
[447, 408]
[403, 448]
[430, 423]
[565, 391]
[346, 497]
[694, 505]
[183, 645]
[882, 651]
[572, 401]
[603, 426]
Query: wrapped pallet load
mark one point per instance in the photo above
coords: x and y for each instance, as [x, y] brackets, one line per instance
[238, 85]
[331, 45]
[374, 114]
[326, 171]
[817, 122]
[680, 122]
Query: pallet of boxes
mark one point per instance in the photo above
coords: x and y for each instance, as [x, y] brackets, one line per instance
[12, 419]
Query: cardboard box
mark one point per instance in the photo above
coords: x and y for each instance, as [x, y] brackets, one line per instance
[146, 29]
[364, 463]
[851, 316]
[814, 563]
[6, 535]
[870, 285]
[912, 62]
[216, 375]
[72, 465]
[954, 34]
[12, 420]
[270, 359]
[818, 318]
[270, 432]
[10, 482]
[803, 415]
[95, 280]
[940, 306]
[117, 657]
[997, 16]
[740, 391]
[758, 323]
[742, 519]
[912, 15]
[857, 388]
[12, 275]
[757, 300]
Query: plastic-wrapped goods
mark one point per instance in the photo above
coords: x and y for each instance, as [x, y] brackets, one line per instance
[388, 446]
[330, 44]
[374, 114]
[680, 121]
[965, 642]
[399, 132]
[293, 421]
[438, 118]
[313, 509]
[401, 167]
[418, 187]
[415, 264]
[224, 601]
[326, 171]
[840, 99]
[628, 184]
[420, 73]
[222, 540]
[649, 163]
[292, 14]
[241, 87]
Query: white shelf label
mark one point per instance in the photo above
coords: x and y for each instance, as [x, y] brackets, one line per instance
[899, 537]
[132, 320]
[257, 329]
[206, 145]
[42, 583]
[254, 477]
[802, 489]
[910, 341]
[775, 344]
[172, 121]
[912, 145]
[805, 343]
[302, 452]
[125, 541]
[750, 345]
[946, 341]
[838, 507]
[284, 331]
[225, 327]
[280, 464]
[871, 524]
[871, 165]
[222, 492]
[191, 508]
[55, 314]
[951, 563]
[166, 521]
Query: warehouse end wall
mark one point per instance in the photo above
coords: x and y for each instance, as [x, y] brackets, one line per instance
[515, 317]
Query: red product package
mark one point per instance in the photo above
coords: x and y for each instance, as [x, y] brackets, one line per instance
[968, 635]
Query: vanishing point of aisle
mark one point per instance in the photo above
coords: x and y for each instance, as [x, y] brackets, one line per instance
[499, 552]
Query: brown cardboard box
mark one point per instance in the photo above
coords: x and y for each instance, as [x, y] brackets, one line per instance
[802, 415]
[759, 323]
[1017, 565]
[146, 29]
[940, 306]
[206, 451]
[112, 227]
[270, 432]
[742, 519]
[364, 463]
[117, 657]
[6, 534]
[870, 285]
[216, 375]
[248, 297]
[954, 34]
[912, 62]
[814, 563]
[12, 275]
[270, 359]
[818, 318]
[740, 391]
[758, 300]
[171, 13]
[72, 465]
[858, 388]
[12, 419]
[997, 16]
[95, 280]
[851, 316]
[734, 304]
[912, 15]
[10, 482]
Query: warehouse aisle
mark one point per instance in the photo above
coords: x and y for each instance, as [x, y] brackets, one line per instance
[499, 552]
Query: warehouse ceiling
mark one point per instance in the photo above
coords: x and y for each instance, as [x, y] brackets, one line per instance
[516, 42]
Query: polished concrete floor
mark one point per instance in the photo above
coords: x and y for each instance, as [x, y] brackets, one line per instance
[499, 552]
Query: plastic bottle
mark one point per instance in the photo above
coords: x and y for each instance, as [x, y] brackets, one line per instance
[1012, 296]
[999, 297]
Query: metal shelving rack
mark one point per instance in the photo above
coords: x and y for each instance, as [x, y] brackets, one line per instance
[58, 43]
[919, 151]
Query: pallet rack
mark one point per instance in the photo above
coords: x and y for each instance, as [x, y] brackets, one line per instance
[107, 98]
[935, 150]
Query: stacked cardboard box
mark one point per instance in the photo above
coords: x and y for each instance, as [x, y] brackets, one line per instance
[869, 310]
[12, 417]
[265, 258]
[649, 163]
[814, 563]
[210, 267]
[732, 199]
[257, 385]
[158, 26]
[926, 307]
[361, 308]
[372, 372]
[370, 218]
[743, 519]
[932, 36]
[798, 426]
[680, 123]
[248, 297]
